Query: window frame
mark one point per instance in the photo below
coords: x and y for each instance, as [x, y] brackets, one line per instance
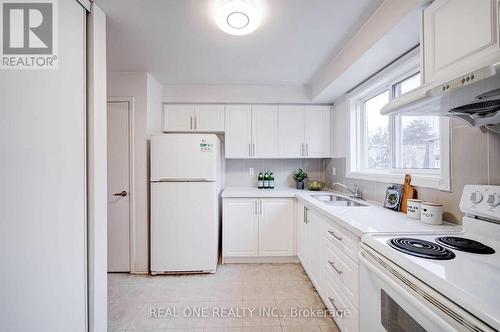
[397, 72]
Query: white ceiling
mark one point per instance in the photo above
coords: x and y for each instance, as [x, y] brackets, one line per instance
[178, 42]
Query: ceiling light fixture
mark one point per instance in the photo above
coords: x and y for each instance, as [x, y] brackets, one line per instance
[237, 17]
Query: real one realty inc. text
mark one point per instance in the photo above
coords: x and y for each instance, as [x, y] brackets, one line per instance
[244, 312]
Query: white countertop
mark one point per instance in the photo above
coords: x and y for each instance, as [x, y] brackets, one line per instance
[360, 220]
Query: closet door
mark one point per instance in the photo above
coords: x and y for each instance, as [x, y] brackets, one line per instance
[43, 195]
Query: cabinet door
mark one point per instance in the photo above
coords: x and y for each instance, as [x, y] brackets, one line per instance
[276, 227]
[238, 131]
[209, 118]
[318, 131]
[240, 227]
[459, 36]
[178, 117]
[301, 233]
[315, 226]
[265, 131]
[291, 131]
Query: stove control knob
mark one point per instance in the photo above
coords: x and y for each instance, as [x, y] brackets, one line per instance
[493, 200]
[476, 197]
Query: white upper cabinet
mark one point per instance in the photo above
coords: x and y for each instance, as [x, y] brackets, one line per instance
[209, 118]
[459, 36]
[178, 117]
[189, 117]
[304, 131]
[238, 141]
[264, 131]
[291, 131]
[318, 131]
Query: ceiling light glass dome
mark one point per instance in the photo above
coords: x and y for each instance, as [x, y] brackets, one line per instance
[237, 17]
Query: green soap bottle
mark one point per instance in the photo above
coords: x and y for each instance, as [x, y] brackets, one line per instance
[260, 180]
[266, 180]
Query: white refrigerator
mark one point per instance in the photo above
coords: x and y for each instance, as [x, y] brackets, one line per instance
[185, 189]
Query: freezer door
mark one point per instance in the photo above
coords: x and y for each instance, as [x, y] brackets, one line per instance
[184, 156]
[184, 226]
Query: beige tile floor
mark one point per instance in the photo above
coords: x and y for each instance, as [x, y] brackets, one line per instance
[276, 287]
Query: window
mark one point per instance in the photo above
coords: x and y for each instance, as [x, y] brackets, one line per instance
[384, 148]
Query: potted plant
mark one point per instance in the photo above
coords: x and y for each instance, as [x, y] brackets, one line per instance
[299, 177]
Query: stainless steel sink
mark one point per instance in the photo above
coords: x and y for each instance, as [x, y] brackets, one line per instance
[335, 200]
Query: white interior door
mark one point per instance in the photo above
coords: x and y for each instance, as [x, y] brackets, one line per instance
[118, 187]
[265, 131]
[43, 228]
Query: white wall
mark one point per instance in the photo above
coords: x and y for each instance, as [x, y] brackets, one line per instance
[154, 105]
[339, 128]
[237, 94]
[97, 169]
[135, 85]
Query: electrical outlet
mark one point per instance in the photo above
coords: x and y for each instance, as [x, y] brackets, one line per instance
[251, 171]
[334, 171]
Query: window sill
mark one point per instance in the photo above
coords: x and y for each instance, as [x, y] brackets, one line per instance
[417, 180]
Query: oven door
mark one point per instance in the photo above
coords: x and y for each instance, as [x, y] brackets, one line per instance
[391, 300]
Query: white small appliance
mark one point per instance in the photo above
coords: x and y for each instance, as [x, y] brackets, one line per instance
[185, 188]
[436, 282]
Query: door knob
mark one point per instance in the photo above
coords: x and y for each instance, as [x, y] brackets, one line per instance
[123, 194]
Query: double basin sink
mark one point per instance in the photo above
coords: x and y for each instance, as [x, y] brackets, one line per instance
[334, 200]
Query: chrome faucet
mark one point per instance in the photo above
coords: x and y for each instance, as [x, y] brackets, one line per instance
[355, 191]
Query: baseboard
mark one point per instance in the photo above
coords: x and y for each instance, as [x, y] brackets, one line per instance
[257, 260]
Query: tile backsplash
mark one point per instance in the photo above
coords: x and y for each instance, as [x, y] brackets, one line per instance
[475, 159]
[237, 171]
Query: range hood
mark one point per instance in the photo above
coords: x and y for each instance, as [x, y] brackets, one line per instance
[474, 98]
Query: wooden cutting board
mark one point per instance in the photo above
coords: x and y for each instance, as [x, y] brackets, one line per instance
[408, 192]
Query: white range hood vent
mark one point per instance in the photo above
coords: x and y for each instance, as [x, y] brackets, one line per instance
[474, 98]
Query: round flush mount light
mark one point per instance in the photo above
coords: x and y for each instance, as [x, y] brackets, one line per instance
[237, 17]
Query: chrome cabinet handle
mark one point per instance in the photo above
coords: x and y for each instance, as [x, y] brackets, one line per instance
[335, 235]
[191, 122]
[255, 205]
[260, 201]
[332, 301]
[302, 149]
[332, 264]
[253, 149]
[122, 193]
[195, 123]
[306, 210]
[250, 149]
[307, 150]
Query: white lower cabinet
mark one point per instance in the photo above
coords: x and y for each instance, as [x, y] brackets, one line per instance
[240, 227]
[255, 227]
[327, 252]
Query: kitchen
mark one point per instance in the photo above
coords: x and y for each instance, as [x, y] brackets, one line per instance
[251, 165]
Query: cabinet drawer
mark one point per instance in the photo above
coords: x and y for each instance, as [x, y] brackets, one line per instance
[345, 270]
[343, 239]
[337, 303]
